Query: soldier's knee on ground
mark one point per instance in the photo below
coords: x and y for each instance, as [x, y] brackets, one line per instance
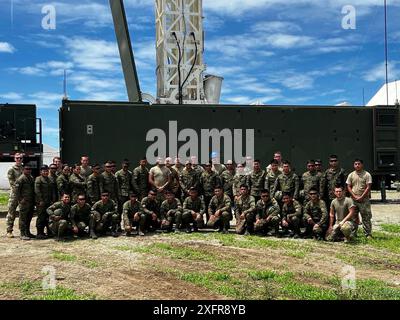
[346, 229]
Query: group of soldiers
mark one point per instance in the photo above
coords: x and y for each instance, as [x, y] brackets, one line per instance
[91, 200]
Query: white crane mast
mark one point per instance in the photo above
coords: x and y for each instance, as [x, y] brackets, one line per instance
[179, 46]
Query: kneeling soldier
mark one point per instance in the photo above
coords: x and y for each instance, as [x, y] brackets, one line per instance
[219, 211]
[267, 214]
[171, 211]
[291, 215]
[194, 208]
[104, 215]
[59, 214]
[245, 207]
[315, 216]
[133, 215]
[346, 225]
[80, 216]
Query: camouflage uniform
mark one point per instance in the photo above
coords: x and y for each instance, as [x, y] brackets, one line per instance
[43, 194]
[238, 180]
[189, 179]
[198, 169]
[104, 216]
[286, 183]
[77, 183]
[292, 213]
[246, 206]
[223, 204]
[174, 184]
[140, 181]
[59, 222]
[310, 180]
[150, 206]
[81, 217]
[267, 216]
[171, 212]
[270, 179]
[341, 208]
[256, 182]
[63, 185]
[178, 169]
[93, 188]
[128, 215]
[208, 182]
[330, 179]
[109, 183]
[124, 179]
[25, 194]
[197, 206]
[227, 178]
[218, 168]
[53, 181]
[86, 172]
[318, 213]
[13, 174]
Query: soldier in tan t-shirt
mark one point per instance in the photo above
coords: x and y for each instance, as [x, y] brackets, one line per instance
[159, 178]
[359, 186]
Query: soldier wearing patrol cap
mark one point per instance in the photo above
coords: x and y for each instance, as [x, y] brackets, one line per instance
[226, 178]
[140, 179]
[93, 185]
[188, 179]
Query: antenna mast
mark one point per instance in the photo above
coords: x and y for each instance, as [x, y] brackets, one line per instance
[386, 58]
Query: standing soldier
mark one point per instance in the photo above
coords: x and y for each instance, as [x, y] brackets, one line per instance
[291, 215]
[333, 176]
[93, 185]
[151, 207]
[171, 211]
[80, 216]
[248, 167]
[43, 197]
[226, 178]
[13, 174]
[208, 181]
[288, 181]
[188, 179]
[278, 158]
[310, 179]
[59, 214]
[256, 180]
[59, 165]
[315, 216]
[196, 167]
[239, 179]
[318, 167]
[174, 184]
[219, 211]
[63, 186]
[77, 183]
[272, 174]
[86, 170]
[245, 207]
[343, 212]
[133, 216]
[359, 184]
[267, 214]
[109, 183]
[25, 195]
[140, 179]
[216, 166]
[53, 181]
[159, 179]
[124, 178]
[193, 210]
[178, 165]
[104, 215]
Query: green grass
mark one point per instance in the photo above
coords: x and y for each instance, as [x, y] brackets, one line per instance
[3, 199]
[32, 290]
[63, 256]
[394, 228]
[381, 240]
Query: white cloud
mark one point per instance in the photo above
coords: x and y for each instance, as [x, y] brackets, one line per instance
[288, 41]
[377, 73]
[53, 68]
[276, 26]
[6, 47]
[11, 96]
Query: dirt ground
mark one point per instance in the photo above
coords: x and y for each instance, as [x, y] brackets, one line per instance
[113, 268]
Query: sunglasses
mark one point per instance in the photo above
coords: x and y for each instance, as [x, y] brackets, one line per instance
[18, 158]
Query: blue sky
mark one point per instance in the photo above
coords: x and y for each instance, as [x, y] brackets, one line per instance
[271, 51]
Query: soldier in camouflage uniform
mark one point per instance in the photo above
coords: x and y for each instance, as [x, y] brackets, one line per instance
[134, 216]
[256, 180]
[278, 159]
[140, 179]
[109, 183]
[219, 211]
[178, 166]
[272, 174]
[13, 174]
[63, 186]
[310, 179]
[59, 165]
[93, 185]
[104, 215]
[25, 195]
[193, 210]
[226, 179]
[124, 178]
[333, 176]
[288, 181]
[53, 181]
[188, 179]
[245, 207]
[43, 197]
[238, 179]
[208, 181]
[318, 167]
[315, 216]
[77, 183]
[291, 215]
[80, 216]
[267, 214]
[196, 167]
[174, 184]
[170, 212]
[86, 170]
[216, 166]
[151, 207]
[59, 214]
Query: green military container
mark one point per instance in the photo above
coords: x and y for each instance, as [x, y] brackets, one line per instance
[118, 130]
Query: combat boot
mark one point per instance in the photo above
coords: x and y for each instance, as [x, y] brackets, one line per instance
[24, 236]
[9, 234]
[29, 234]
[188, 229]
[40, 234]
[93, 234]
[114, 230]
